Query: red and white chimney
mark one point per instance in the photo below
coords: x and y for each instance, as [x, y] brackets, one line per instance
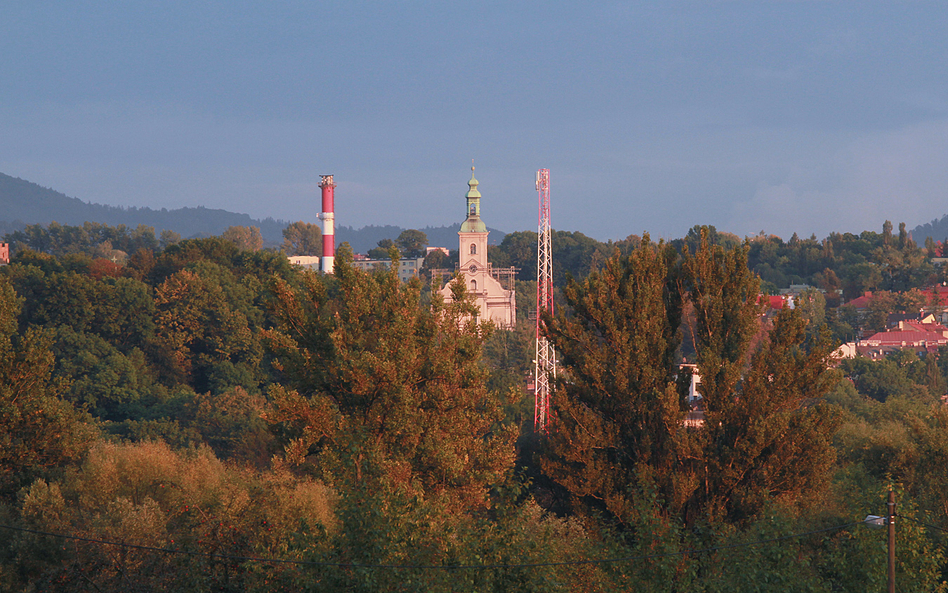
[327, 216]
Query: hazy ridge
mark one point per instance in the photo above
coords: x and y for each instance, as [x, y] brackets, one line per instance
[24, 202]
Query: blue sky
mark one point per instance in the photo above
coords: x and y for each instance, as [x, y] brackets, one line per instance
[805, 117]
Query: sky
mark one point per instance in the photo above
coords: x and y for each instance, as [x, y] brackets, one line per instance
[781, 117]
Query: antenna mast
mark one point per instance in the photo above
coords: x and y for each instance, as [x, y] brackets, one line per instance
[545, 362]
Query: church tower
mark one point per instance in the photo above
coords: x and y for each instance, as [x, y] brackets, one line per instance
[472, 238]
[495, 302]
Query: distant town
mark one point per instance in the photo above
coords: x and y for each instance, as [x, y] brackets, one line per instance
[466, 409]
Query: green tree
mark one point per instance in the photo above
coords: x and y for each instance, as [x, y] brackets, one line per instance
[383, 250]
[303, 238]
[616, 404]
[812, 306]
[620, 410]
[200, 333]
[411, 243]
[882, 304]
[40, 429]
[756, 392]
[168, 238]
[436, 260]
[519, 250]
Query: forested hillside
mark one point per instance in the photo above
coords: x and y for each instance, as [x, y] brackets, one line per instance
[23, 202]
[936, 230]
[202, 416]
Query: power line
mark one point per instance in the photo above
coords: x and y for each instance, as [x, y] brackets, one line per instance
[929, 525]
[431, 566]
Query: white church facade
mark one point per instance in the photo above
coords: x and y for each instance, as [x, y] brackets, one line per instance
[495, 301]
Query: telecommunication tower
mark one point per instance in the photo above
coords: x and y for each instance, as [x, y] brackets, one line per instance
[545, 362]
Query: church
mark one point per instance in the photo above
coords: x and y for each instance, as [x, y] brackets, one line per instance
[493, 289]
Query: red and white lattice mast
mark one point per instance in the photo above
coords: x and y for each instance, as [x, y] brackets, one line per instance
[545, 362]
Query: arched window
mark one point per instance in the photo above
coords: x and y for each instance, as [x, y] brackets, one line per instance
[473, 248]
[473, 285]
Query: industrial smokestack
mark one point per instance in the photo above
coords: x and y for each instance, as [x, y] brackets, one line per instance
[327, 216]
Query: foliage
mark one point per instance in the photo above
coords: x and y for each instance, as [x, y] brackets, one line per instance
[384, 249]
[411, 243]
[40, 429]
[573, 254]
[390, 379]
[303, 238]
[620, 413]
[91, 238]
[400, 426]
[146, 494]
[616, 404]
[247, 238]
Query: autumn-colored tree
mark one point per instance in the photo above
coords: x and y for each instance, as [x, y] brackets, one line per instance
[40, 430]
[199, 330]
[383, 380]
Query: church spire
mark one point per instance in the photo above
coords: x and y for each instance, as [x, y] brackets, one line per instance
[473, 193]
[473, 223]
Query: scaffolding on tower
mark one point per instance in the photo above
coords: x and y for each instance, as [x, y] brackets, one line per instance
[545, 362]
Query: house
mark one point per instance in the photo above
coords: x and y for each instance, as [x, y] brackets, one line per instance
[861, 303]
[408, 268]
[922, 338]
[310, 262]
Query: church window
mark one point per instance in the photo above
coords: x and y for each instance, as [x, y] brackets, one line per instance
[473, 285]
[473, 249]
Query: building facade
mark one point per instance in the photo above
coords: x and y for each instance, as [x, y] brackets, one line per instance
[494, 301]
[408, 268]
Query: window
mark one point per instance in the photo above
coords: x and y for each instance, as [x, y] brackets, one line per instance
[473, 249]
[473, 285]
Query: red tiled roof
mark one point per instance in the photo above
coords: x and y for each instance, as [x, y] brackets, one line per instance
[926, 327]
[942, 295]
[861, 302]
[906, 337]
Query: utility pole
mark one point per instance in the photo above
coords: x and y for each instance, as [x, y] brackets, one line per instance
[891, 529]
[545, 362]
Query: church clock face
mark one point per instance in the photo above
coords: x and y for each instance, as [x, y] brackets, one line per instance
[473, 268]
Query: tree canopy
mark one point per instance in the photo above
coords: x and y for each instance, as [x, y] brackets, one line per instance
[620, 401]
[303, 238]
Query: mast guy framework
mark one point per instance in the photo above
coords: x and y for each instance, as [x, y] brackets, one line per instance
[545, 362]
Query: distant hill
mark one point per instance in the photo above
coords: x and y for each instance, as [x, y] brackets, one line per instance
[23, 202]
[366, 238]
[936, 229]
